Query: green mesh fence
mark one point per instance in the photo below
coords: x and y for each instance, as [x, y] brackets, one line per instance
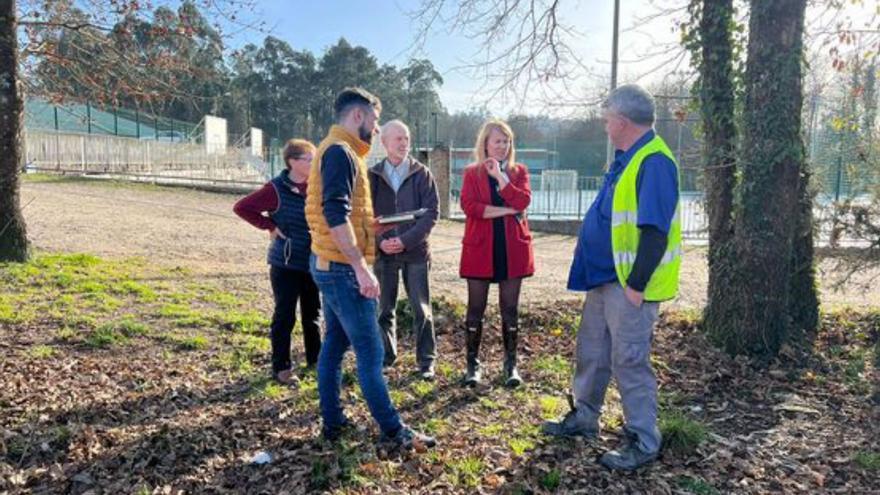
[88, 119]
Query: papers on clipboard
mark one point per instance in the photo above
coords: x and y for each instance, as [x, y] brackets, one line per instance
[402, 217]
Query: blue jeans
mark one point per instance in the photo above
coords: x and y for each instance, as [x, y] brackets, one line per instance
[350, 321]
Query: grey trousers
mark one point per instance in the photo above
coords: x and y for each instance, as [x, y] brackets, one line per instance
[415, 282]
[614, 338]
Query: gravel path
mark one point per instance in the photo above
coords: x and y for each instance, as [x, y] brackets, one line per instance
[197, 230]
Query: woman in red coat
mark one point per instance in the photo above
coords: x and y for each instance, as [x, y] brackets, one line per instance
[497, 245]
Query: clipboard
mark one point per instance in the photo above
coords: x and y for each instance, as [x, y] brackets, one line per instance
[402, 217]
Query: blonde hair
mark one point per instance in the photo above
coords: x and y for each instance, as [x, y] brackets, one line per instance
[483, 136]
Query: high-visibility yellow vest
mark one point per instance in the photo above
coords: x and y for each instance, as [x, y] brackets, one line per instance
[663, 284]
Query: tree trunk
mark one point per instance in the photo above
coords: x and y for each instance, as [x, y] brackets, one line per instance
[13, 237]
[719, 149]
[803, 304]
[768, 210]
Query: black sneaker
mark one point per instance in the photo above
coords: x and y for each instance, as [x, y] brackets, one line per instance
[406, 439]
[575, 424]
[628, 456]
[332, 434]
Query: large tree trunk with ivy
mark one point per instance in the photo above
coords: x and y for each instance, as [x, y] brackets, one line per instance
[769, 214]
[13, 238]
[714, 53]
[803, 303]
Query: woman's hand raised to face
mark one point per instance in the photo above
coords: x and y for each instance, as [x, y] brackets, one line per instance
[492, 166]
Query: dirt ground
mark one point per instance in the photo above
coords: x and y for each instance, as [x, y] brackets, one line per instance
[145, 370]
[197, 230]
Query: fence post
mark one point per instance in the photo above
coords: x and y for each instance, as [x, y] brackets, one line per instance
[89, 117]
[839, 178]
[82, 153]
[115, 121]
[580, 200]
[439, 161]
[137, 124]
[57, 140]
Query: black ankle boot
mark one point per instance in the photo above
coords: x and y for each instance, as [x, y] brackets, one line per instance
[511, 374]
[473, 336]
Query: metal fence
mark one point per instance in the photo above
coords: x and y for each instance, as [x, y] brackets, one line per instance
[570, 201]
[122, 157]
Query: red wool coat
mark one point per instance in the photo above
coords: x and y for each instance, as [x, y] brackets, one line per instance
[476, 251]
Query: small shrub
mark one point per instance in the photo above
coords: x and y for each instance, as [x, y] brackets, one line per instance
[105, 336]
[551, 480]
[519, 446]
[193, 343]
[41, 351]
[467, 471]
[868, 460]
[681, 434]
[697, 486]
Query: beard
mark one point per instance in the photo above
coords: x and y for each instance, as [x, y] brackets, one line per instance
[365, 134]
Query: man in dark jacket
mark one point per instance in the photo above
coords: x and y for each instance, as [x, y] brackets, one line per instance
[399, 183]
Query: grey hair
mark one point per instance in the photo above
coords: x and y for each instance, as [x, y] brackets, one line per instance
[633, 102]
[394, 123]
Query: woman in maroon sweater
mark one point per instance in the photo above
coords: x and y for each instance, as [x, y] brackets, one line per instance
[279, 208]
[497, 244]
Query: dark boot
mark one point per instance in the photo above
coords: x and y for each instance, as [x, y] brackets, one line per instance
[473, 337]
[511, 374]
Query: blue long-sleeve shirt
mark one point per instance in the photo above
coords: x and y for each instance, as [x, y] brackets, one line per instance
[657, 189]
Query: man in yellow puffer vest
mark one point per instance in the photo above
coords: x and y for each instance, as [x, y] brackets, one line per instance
[340, 216]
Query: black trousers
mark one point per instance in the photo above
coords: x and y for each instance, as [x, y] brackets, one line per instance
[288, 287]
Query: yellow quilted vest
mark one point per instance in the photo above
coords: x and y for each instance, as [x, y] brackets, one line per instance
[361, 217]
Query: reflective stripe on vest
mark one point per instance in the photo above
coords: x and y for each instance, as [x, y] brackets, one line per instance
[625, 234]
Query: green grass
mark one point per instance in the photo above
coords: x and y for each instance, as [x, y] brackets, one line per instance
[41, 351]
[551, 407]
[466, 472]
[143, 292]
[106, 336]
[268, 388]
[551, 480]
[436, 426]
[868, 460]
[65, 334]
[236, 361]
[446, 370]
[244, 322]
[14, 310]
[182, 315]
[520, 446]
[554, 367]
[697, 486]
[321, 475]
[423, 388]
[492, 430]
[681, 434]
[131, 327]
[191, 343]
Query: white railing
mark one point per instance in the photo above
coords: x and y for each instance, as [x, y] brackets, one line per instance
[119, 156]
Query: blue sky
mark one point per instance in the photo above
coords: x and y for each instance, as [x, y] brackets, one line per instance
[383, 27]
